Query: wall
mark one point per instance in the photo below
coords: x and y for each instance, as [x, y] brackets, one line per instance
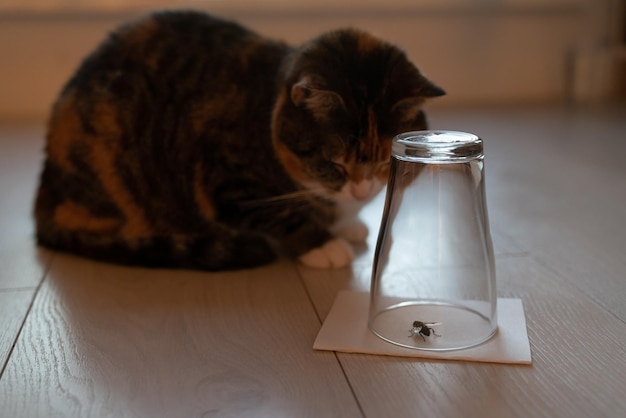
[480, 51]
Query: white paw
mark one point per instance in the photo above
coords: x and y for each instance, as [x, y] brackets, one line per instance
[355, 232]
[335, 253]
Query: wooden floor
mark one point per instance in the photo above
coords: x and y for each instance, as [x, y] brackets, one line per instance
[85, 339]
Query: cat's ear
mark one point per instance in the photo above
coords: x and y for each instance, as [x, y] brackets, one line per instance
[428, 89]
[320, 101]
[408, 108]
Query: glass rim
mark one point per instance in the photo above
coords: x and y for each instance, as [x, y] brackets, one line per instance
[437, 147]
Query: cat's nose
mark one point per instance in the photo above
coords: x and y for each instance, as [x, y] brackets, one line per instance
[361, 190]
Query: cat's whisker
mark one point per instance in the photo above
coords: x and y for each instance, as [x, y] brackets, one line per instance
[300, 194]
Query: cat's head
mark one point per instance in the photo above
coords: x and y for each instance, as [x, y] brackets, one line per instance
[343, 97]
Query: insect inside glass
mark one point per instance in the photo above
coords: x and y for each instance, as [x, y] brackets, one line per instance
[423, 328]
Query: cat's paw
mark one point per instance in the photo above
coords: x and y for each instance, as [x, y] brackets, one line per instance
[335, 253]
[355, 232]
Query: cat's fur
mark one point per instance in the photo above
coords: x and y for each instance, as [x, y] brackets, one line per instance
[188, 141]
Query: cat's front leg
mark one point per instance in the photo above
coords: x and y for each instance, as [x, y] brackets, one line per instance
[354, 231]
[335, 253]
[348, 225]
[314, 245]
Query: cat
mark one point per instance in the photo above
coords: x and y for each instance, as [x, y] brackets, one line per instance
[188, 141]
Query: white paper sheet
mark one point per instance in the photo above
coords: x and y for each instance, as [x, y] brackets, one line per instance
[345, 330]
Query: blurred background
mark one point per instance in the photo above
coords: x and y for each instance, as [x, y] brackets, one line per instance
[483, 52]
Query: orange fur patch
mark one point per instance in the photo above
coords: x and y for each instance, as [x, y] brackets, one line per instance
[290, 162]
[103, 162]
[202, 200]
[382, 171]
[246, 52]
[140, 34]
[368, 43]
[358, 175]
[73, 216]
[104, 119]
[64, 129]
[280, 102]
[227, 109]
[372, 126]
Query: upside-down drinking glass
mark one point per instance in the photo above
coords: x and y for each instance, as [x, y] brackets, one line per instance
[433, 280]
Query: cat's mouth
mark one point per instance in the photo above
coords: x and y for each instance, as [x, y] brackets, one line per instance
[363, 190]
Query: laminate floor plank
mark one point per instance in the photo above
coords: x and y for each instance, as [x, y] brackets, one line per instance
[103, 340]
[579, 358]
[22, 264]
[555, 185]
[110, 341]
[14, 306]
[579, 363]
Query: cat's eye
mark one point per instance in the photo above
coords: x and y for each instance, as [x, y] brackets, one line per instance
[340, 168]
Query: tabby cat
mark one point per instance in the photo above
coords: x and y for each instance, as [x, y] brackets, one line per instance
[188, 141]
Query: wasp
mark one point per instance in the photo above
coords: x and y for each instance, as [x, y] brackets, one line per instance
[423, 328]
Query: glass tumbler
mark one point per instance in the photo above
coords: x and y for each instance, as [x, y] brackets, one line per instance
[433, 279]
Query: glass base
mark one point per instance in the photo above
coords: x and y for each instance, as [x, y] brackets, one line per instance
[440, 326]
